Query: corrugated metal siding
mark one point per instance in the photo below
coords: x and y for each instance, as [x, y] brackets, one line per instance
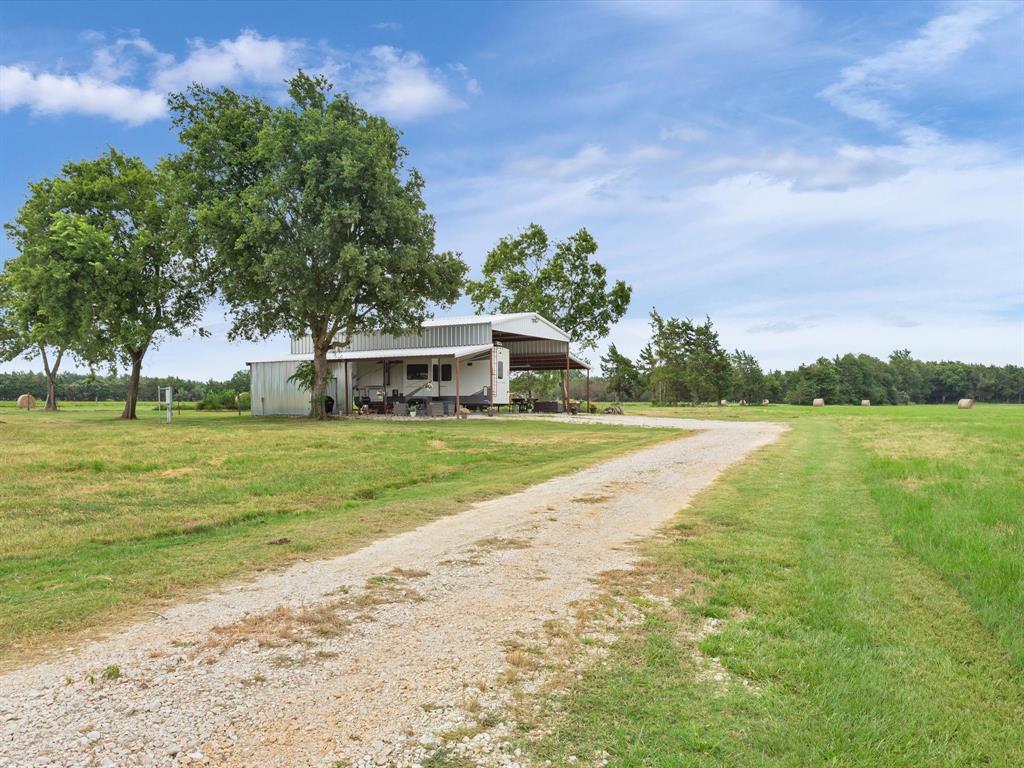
[538, 347]
[465, 335]
[273, 394]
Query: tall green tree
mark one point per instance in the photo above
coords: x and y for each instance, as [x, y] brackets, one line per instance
[686, 361]
[46, 306]
[665, 358]
[148, 284]
[100, 272]
[708, 371]
[313, 223]
[908, 377]
[623, 379]
[561, 281]
[748, 381]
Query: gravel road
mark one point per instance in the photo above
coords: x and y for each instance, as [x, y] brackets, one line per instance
[367, 659]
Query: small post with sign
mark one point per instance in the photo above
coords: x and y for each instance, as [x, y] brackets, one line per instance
[168, 393]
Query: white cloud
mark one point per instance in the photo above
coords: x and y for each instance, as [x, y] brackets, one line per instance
[592, 162]
[472, 84]
[861, 249]
[849, 166]
[683, 133]
[401, 85]
[47, 94]
[248, 58]
[860, 89]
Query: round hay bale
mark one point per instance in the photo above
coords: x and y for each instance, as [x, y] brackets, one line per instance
[965, 404]
[26, 401]
[765, 402]
[723, 402]
[614, 410]
[818, 402]
[865, 402]
[743, 402]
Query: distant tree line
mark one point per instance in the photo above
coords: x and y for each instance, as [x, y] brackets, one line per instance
[77, 387]
[685, 363]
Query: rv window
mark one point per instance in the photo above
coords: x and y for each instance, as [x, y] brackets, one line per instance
[416, 372]
[443, 372]
[501, 369]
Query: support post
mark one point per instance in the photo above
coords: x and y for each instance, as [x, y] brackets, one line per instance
[348, 399]
[588, 391]
[458, 389]
[490, 389]
[565, 380]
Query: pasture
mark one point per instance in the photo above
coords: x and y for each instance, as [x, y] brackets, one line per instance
[851, 596]
[102, 520]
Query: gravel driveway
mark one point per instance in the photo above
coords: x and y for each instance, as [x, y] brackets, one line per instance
[369, 658]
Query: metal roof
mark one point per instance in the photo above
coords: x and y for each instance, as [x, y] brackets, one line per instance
[385, 354]
[451, 332]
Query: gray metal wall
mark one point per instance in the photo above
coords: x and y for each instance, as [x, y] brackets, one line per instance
[465, 335]
[273, 395]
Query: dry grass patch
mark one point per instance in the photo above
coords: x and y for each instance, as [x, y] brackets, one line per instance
[460, 561]
[501, 542]
[282, 626]
[408, 573]
[168, 474]
[595, 499]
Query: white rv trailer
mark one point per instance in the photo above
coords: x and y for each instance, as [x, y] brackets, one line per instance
[445, 364]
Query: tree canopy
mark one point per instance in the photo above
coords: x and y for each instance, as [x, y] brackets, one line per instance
[46, 290]
[624, 380]
[311, 220]
[562, 282]
[685, 361]
[100, 270]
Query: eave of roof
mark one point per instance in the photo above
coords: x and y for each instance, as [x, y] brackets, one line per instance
[336, 356]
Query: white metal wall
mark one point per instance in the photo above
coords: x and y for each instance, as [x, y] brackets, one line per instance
[465, 335]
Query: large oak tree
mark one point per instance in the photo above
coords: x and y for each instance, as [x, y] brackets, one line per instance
[312, 222]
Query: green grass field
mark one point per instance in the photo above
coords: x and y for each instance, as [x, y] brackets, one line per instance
[868, 572]
[100, 519]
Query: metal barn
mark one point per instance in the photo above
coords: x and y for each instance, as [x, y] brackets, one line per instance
[447, 364]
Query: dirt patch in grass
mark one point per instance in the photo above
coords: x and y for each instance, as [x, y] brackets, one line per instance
[169, 474]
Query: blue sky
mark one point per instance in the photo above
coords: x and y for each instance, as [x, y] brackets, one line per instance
[818, 178]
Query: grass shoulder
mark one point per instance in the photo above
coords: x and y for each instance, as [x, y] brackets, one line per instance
[819, 615]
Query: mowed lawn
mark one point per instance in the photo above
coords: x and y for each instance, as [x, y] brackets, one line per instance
[868, 574]
[101, 519]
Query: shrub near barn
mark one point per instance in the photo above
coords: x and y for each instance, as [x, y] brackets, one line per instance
[224, 400]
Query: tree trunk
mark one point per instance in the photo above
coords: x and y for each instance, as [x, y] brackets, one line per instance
[316, 405]
[133, 383]
[51, 378]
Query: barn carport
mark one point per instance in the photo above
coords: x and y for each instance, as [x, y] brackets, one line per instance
[546, 355]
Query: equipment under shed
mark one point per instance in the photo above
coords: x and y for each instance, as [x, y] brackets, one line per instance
[448, 364]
